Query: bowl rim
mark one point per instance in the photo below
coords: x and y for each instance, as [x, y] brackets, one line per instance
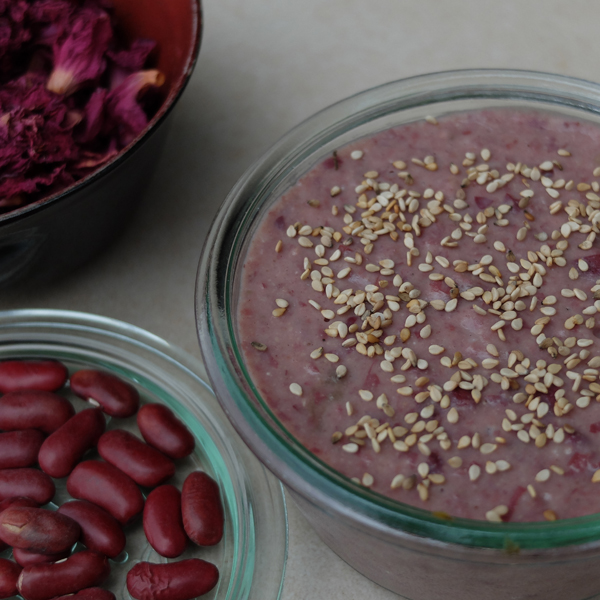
[133, 146]
[313, 479]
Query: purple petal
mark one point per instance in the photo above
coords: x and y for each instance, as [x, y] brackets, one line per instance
[135, 58]
[55, 16]
[79, 59]
[94, 115]
[123, 107]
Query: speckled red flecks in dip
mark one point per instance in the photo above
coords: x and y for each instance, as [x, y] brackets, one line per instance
[427, 298]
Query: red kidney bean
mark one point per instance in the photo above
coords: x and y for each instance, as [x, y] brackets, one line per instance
[20, 448]
[163, 524]
[144, 464]
[116, 397]
[89, 594]
[17, 501]
[25, 558]
[38, 530]
[4, 504]
[44, 375]
[34, 410]
[30, 483]
[202, 509]
[181, 580]
[9, 574]
[82, 570]
[63, 449]
[99, 531]
[163, 430]
[103, 484]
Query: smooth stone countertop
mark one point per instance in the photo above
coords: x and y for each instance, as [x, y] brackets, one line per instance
[264, 66]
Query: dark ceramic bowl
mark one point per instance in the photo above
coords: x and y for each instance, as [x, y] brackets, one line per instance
[48, 238]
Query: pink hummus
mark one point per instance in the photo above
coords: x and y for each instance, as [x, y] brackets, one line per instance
[419, 311]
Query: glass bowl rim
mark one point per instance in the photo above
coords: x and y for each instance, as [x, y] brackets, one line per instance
[271, 443]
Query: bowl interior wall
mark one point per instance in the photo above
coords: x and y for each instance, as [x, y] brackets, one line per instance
[172, 24]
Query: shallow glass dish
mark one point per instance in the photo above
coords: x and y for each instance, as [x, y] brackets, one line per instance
[252, 555]
[413, 552]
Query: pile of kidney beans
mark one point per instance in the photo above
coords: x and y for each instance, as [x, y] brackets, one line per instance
[40, 427]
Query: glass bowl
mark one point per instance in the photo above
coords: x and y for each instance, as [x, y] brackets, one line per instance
[252, 555]
[419, 554]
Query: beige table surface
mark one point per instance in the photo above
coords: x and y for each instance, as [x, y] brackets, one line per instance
[264, 66]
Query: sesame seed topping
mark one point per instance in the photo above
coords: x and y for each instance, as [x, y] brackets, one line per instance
[296, 389]
[368, 480]
[474, 472]
[495, 514]
[388, 302]
[543, 475]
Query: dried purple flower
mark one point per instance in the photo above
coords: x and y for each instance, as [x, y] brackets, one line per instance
[69, 94]
[123, 107]
[80, 57]
[54, 17]
[135, 58]
[94, 115]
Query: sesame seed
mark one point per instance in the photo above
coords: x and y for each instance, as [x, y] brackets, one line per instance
[451, 305]
[356, 154]
[452, 415]
[543, 475]
[435, 349]
[296, 389]
[397, 482]
[474, 472]
[493, 516]
[499, 512]
[487, 448]
[423, 492]
[423, 470]
[317, 353]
